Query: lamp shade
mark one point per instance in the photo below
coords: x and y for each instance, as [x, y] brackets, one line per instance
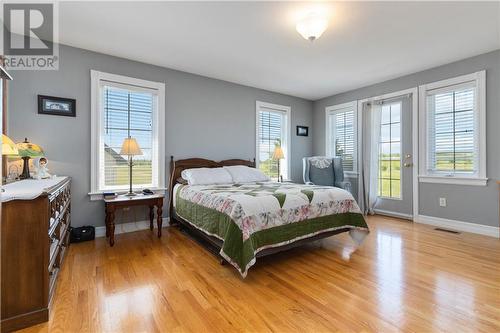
[28, 149]
[278, 153]
[130, 147]
[8, 146]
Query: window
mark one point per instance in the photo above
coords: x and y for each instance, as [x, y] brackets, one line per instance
[389, 170]
[273, 130]
[124, 107]
[453, 121]
[341, 138]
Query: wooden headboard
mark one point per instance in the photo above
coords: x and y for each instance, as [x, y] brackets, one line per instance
[176, 168]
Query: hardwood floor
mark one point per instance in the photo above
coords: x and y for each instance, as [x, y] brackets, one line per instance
[405, 277]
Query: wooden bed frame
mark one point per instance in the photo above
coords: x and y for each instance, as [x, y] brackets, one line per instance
[212, 243]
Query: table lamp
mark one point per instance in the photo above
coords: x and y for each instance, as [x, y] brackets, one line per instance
[8, 149]
[8, 146]
[278, 155]
[28, 150]
[130, 147]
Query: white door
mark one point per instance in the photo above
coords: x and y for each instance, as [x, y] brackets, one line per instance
[394, 172]
[395, 168]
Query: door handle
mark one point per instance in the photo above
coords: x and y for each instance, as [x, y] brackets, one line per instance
[407, 165]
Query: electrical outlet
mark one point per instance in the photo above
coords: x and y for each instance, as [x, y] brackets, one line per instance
[442, 202]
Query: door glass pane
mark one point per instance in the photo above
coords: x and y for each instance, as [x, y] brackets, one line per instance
[395, 150]
[386, 115]
[390, 152]
[395, 132]
[385, 133]
[396, 170]
[395, 188]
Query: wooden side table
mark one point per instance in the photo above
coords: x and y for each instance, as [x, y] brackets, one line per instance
[122, 201]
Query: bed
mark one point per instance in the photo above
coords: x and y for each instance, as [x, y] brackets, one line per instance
[243, 221]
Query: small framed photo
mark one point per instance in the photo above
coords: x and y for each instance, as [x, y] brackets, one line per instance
[302, 131]
[56, 106]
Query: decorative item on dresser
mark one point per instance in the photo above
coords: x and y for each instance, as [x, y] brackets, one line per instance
[28, 150]
[36, 217]
[9, 148]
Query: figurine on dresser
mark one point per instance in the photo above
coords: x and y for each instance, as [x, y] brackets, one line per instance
[41, 169]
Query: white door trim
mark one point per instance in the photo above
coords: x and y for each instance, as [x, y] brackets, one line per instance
[414, 93]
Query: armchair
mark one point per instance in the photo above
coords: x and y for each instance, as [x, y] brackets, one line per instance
[322, 170]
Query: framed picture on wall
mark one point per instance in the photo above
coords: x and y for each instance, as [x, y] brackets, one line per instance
[56, 106]
[302, 131]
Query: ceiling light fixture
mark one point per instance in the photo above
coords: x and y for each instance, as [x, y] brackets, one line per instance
[312, 26]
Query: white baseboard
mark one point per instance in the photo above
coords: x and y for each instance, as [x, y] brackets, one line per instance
[121, 228]
[393, 214]
[486, 230]
[459, 225]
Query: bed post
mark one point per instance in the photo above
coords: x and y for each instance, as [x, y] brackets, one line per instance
[171, 191]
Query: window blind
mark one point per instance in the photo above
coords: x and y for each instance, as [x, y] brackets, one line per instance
[271, 132]
[451, 130]
[127, 113]
[342, 141]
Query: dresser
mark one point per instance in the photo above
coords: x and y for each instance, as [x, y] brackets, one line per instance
[36, 219]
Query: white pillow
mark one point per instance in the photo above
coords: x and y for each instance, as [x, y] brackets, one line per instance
[243, 174]
[206, 176]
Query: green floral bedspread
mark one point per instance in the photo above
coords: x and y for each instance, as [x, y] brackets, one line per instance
[251, 217]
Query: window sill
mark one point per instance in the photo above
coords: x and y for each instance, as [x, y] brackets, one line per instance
[97, 195]
[351, 174]
[474, 181]
[391, 198]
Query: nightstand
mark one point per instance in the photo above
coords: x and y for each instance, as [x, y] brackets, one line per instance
[123, 201]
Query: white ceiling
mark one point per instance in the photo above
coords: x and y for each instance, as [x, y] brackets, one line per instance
[255, 43]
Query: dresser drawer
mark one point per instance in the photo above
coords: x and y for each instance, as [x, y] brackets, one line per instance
[64, 226]
[53, 248]
[59, 203]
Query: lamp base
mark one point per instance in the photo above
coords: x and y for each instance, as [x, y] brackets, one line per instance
[131, 194]
[26, 168]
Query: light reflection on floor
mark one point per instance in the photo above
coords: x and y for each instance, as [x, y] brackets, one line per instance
[389, 272]
[129, 308]
[451, 290]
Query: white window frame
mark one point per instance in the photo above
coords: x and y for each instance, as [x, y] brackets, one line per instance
[158, 163]
[329, 149]
[259, 106]
[479, 178]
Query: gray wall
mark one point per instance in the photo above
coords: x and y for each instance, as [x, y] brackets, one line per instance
[204, 118]
[476, 204]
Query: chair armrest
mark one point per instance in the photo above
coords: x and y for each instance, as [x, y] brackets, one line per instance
[344, 185]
